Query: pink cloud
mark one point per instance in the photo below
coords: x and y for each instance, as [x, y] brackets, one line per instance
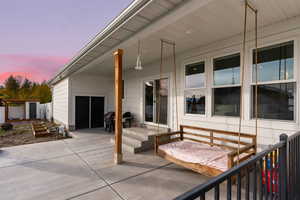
[36, 68]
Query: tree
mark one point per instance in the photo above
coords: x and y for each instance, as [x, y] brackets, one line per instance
[26, 84]
[12, 87]
[25, 91]
[44, 93]
[22, 88]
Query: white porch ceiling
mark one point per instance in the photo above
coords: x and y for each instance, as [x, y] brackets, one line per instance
[217, 20]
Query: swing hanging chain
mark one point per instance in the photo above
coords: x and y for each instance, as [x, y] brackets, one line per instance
[160, 77]
[256, 76]
[175, 85]
[247, 5]
[162, 42]
[242, 81]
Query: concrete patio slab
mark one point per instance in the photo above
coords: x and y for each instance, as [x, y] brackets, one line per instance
[90, 139]
[102, 161]
[59, 178]
[83, 168]
[32, 152]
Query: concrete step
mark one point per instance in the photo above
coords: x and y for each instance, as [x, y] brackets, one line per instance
[144, 132]
[137, 139]
[128, 139]
[127, 142]
[154, 128]
[131, 148]
[136, 132]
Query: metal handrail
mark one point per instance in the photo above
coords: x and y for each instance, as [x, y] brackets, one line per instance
[292, 137]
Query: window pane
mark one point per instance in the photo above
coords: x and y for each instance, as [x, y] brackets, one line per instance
[227, 70]
[227, 101]
[275, 101]
[149, 97]
[194, 102]
[194, 75]
[275, 62]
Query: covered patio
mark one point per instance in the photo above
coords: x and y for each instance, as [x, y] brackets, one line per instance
[205, 77]
[83, 168]
[209, 45]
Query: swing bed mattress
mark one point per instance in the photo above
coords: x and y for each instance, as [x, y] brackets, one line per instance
[198, 156]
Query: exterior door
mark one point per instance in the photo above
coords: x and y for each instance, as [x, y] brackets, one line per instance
[32, 110]
[82, 112]
[97, 112]
[156, 91]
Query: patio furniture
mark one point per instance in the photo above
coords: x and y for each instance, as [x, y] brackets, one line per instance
[206, 151]
[127, 120]
[109, 119]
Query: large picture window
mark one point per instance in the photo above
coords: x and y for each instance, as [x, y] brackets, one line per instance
[194, 94]
[227, 90]
[276, 86]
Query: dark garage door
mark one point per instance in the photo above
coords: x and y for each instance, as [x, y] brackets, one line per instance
[89, 109]
[97, 112]
[82, 112]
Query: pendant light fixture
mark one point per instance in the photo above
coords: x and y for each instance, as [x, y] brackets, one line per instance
[138, 65]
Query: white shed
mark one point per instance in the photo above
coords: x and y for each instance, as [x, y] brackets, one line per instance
[21, 109]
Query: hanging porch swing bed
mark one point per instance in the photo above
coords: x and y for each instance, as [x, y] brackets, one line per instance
[206, 151]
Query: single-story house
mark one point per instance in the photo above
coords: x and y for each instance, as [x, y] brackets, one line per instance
[209, 38]
[12, 110]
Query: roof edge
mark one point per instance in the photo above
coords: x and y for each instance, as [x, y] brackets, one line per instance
[115, 23]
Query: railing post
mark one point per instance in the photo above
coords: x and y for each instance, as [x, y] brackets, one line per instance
[283, 168]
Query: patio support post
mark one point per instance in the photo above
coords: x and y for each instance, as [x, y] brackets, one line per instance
[118, 106]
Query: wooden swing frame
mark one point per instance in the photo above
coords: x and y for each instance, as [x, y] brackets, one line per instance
[243, 151]
[210, 137]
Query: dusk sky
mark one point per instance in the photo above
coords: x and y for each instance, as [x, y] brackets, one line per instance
[37, 37]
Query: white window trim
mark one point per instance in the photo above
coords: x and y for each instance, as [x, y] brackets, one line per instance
[195, 89]
[294, 80]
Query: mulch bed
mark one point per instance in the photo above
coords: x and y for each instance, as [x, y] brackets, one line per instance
[22, 134]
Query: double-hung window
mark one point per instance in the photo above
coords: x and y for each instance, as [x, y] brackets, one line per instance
[194, 94]
[276, 84]
[226, 85]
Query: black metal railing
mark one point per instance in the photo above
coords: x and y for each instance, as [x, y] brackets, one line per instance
[293, 174]
[270, 174]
